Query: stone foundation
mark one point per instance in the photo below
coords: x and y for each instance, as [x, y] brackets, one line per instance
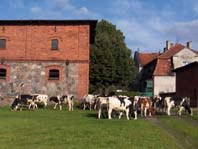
[33, 76]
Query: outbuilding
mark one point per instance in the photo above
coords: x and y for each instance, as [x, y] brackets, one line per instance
[187, 82]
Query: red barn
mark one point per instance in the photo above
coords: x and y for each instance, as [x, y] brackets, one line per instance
[187, 82]
[46, 56]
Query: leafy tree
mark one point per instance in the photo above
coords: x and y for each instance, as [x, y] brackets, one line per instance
[112, 66]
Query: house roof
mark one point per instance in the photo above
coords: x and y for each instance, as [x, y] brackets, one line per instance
[172, 51]
[145, 58]
[163, 67]
[92, 24]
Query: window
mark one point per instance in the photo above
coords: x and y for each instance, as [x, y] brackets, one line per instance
[186, 63]
[2, 73]
[2, 43]
[54, 44]
[53, 74]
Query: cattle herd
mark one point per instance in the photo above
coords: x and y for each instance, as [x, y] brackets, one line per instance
[108, 106]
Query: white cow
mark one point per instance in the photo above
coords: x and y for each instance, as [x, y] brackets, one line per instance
[42, 98]
[89, 100]
[101, 103]
[69, 99]
[113, 103]
[65, 99]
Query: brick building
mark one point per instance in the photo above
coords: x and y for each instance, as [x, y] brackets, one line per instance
[45, 56]
[156, 76]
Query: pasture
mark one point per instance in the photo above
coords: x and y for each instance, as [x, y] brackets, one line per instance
[48, 128]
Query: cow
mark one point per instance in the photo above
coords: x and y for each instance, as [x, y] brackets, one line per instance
[182, 103]
[113, 103]
[69, 99]
[159, 103]
[21, 101]
[60, 100]
[101, 103]
[41, 98]
[89, 100]
[145, 104]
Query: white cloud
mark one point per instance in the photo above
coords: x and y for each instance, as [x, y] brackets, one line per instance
[185, 31]
[82, 10]
[36, 9]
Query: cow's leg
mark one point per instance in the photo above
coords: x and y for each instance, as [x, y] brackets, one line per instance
[127, 114]
[109, 113]
[84, 106]
[99, 112]
[191, 112]
[45, 104]
[145, 111]
[120, 115]
[72, 106]
[90, 106]
[135, 113]
[55, 105]
[60, 106]
[168, 110]
[181, 108]
[69, 105]
[142, 109]
[29, 106]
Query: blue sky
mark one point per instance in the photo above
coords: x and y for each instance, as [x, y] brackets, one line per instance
[146, 24]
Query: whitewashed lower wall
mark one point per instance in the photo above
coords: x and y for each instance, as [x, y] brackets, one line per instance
[164, 84]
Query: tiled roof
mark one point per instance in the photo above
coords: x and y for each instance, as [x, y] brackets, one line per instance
[172, 51]
[145, 58]
[163, 67]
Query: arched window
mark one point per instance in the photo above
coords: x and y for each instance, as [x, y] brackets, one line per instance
[54, 44]
[54, 74]
[3, 73]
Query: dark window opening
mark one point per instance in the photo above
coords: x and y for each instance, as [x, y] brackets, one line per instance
[54, 44]
[2, 43]
[53, 74]
[2, 73]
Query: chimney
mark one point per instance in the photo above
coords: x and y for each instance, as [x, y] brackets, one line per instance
[189, 44]
[168, 45]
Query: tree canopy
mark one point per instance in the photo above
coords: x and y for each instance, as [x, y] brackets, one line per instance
[112, 66]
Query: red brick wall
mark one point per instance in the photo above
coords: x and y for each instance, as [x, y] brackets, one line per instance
[33, 42]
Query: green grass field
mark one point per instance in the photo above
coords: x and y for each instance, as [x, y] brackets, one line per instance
[54, 129]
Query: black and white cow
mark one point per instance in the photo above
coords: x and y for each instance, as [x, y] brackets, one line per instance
[89, 100]
[114, 103]
[21, 101]
[159, 103]
[182, 103]
[42, 98]
[65, 99]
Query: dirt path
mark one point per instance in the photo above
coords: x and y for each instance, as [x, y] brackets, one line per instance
[157, 123]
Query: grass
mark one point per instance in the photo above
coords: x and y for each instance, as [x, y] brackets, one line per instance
[48, 128]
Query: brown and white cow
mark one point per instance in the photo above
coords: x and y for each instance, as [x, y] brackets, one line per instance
[145, 104]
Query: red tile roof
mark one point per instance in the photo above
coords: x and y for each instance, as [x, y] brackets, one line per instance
[145, 58]
[172, 51]
[163, 67]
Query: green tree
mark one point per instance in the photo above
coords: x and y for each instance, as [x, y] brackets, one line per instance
[112, 66]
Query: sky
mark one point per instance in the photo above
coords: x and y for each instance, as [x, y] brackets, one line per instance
[146, 24]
